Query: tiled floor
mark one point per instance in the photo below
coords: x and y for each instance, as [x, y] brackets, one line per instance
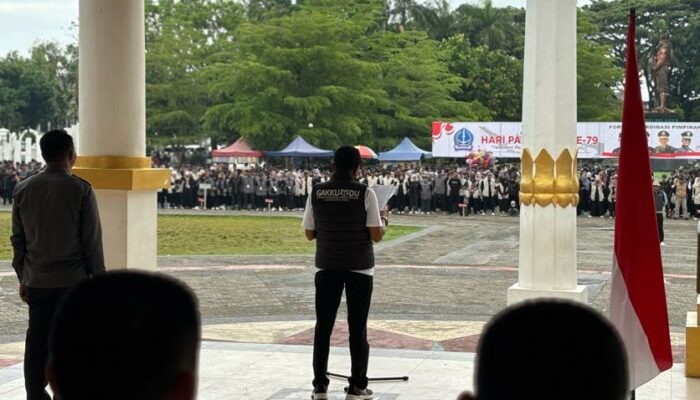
[276, 372]
[433, 293]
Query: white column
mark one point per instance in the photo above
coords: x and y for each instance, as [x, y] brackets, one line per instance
[4, 133]
[112, 78]
[74, 131]
[37, 149]
[7, 148]
[16, 149]
[27, 149]
[113, 123]
[547, 263]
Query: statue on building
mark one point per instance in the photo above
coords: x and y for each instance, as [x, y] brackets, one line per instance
[660, 65]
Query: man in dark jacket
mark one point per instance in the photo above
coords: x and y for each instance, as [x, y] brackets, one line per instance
[343, 216]
[57, 241]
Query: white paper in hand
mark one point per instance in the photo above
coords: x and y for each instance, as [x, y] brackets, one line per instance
[384, 193]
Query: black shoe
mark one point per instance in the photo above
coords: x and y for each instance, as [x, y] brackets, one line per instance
[320, 393]
[355, 393]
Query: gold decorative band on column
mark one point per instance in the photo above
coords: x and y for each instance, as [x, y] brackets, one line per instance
[544, 181]
[112, 162]
[121, 173]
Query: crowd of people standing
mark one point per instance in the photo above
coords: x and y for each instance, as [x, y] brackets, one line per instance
[11, 174]
[419, 190]
[598, 191]
[452, 188]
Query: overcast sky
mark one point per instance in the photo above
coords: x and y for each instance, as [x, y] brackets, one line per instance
[24, 22]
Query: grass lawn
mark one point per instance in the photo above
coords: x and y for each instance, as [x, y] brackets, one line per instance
[221, 235]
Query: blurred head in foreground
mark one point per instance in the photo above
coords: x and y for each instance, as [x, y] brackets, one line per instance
[549, 349]
[126, 335]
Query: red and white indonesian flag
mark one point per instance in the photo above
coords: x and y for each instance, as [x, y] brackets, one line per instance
[638, 298]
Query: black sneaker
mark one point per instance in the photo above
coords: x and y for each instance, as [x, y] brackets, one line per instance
[320, 393]
[355, 393]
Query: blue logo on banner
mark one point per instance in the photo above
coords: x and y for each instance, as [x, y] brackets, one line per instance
[464, 140]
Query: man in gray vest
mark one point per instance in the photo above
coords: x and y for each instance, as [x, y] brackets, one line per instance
[344, 218]
[57, 241]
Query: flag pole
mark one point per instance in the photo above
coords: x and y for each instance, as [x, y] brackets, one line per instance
[633, 14]
[633, 393]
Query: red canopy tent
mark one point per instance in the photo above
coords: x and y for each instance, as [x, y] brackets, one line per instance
[238, 152]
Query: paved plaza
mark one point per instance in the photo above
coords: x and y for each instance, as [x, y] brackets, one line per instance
[434, 290]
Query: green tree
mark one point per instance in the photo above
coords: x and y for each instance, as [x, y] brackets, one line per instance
[497, 28]
[400, 12]
[333, 65]
[286, 72]
[258, 10]
[181, 39]
[597, 76]
[420, 88]
[61, 66]
[11, 99]
[678, 18]
[689, 69]
[436, 18]
[491, 77]
[27, 93]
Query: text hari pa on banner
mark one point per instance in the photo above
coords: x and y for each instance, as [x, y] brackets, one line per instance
[594, 139]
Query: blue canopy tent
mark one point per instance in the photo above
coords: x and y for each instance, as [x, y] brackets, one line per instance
[300, 148]
[405, 151]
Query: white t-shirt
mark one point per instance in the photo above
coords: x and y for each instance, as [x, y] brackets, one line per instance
[373, 220]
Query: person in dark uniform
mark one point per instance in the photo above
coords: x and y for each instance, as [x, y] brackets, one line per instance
[236, 186]
[664, 147]
[344, 218]
[248, 183]
[57, 242]
[453, 186]
[686, 138]
[660, 202]
[260, 191]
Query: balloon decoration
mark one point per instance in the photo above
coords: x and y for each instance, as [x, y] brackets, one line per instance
[482, 159]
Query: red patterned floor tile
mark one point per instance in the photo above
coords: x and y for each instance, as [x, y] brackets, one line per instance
[377, 338]
[463, 344]
[8, 363]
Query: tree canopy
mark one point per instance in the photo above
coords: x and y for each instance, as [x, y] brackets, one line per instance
[350, 71]
[39, 90]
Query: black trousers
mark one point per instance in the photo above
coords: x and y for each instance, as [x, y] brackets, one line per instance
[440, 202]
[414, 200]
[249, 200]
[425, 204]
[503, 205]
[358, 293]
[401, 202]
[490, 203]
[660, 225]
[42, 306]
[454, 203]
[598, 208]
